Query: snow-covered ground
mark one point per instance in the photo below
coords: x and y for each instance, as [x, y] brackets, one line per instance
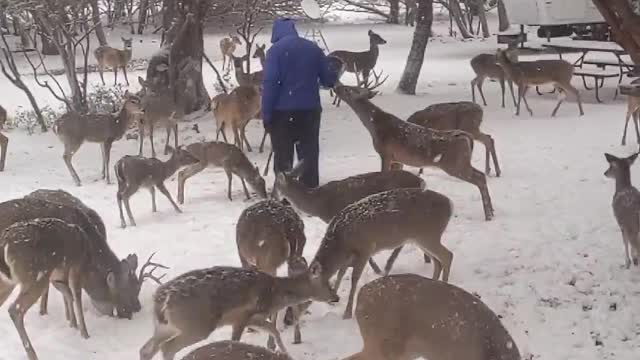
[550, 263]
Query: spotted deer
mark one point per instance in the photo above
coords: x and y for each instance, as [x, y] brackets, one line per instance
[269, 234]
[134, 172]
[400, 142]
[385, 221]
[4, 140]
[233, 350]
[626, 205]
[539, 72]
[38, 251]
[327, 200]
[228, 157]
[73, 129]
[461, 115]
[401, 316]
[227, 48]
[235, 110]
[486, 66]
[228, 296]
[114, 58]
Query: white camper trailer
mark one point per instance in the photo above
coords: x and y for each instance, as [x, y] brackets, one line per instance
[552, 12]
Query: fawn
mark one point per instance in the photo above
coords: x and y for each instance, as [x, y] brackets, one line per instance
[626, 204]
[228, 157]
[486, 66]
[228, 296]
[35, 252]
[227, 48]
[4, 140]
[462, 115]
[409, 317]
[134, 172]
[235, 110]
[539, 72]
[73, 129]
[115, 58]
[233, 350]
[385, 221]
[268, 234]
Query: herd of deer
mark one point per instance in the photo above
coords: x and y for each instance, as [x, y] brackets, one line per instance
[49, 236]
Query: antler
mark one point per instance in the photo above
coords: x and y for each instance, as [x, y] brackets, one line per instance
[376, 81]
[149, 274]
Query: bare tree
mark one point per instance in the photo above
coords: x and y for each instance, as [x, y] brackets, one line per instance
[421, 35]
[624, 23]
[503, 19]
[95, 16]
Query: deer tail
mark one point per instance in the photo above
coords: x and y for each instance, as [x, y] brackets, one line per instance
[119, 170]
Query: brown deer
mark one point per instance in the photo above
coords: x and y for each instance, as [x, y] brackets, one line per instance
[228, 296]
[235, 110]
[4, 140]
[134, 172]
[160, 110]
[228, 157]
[539, 72]
[35, 252]
[233, 350]
[410, 317]
[268, 234]
[115, 58]
[626, 204]
[400, 142]
[385, 221]
[486, 66]
[360, 63]
[111, 283]
[253, 79]
[462, 115]
[227, 48]
[261, 54]
[327, 200]
[73, 129]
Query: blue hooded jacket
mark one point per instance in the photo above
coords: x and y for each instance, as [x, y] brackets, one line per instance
[293, 71]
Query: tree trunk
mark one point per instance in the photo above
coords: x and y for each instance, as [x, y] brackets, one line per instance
[394, 12]
[503, 19]
[455, 11]
[421, 35]
[95, 17]
[142, 16]
[48, 47]
[482, 15]
[625, 25]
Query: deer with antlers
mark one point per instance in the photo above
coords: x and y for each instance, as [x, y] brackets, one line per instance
[400, 142]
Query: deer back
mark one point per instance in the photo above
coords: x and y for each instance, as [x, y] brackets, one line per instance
[238, 107]
[383, 221]
[462, 115]
[486, 65]
[215, 153]
[233, 350]
[110, 56]
[138, 170]
[408, 315]
[268, 234]
[545, 71]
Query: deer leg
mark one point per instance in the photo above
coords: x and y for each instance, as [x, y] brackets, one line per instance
[561, 96]
[152, 346]
[443, 258]
[635, 122]
[75, 282]
[626, 125]
[236, 138]
[44, 301]
[172, 346]
[271, 329]
[153, 149]
[246, 191]
[502, 90]
[475, 177]
[479, 84]
[63, 287]
[184, 175]
[152, 191]
[107, 159]
[124, 71]
[115, 75]
[101, 71]
[513, 97]
[374, 266]
[392, 260]
[626, 235]
[229, 180]
[569, 88]
[358, 267]
[141, 135]
[341, 273]
[125, 197]
[175, 135]
[243, 135]
[166, 143]
[273, 318]
[4, 141]
[69, 150]
[29, 294]
[167, 194]
[490, 151]
[473, 89]
[264, 137]
[524, 98]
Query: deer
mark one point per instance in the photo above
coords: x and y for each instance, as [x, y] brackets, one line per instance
[115, 58]
[269, 234]
[633, 109]
[160, 109]
[261, 54]
[461, 115]
[73, 129]
[360, 63]
[227, 48]
[385, 221]
[327, 200]
[400, 316]
[253, 79]
[4, 140]
[233, 350]
[235, 110]
[626, 204]
[486, 66]
[38, 251]
[228, 296]
[228, 157]
[134, 172]
[400, 142]
[539, 72]
[111, 283]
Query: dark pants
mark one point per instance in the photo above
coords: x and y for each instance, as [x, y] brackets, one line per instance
[301, 127]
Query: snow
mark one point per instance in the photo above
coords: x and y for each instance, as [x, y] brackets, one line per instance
[550, 263]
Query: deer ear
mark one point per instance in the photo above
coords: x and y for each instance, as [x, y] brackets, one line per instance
[610, 158]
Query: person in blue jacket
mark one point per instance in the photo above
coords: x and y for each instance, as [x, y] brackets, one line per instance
[293, 72]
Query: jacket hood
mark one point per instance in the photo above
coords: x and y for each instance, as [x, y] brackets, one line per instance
[283, 28]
